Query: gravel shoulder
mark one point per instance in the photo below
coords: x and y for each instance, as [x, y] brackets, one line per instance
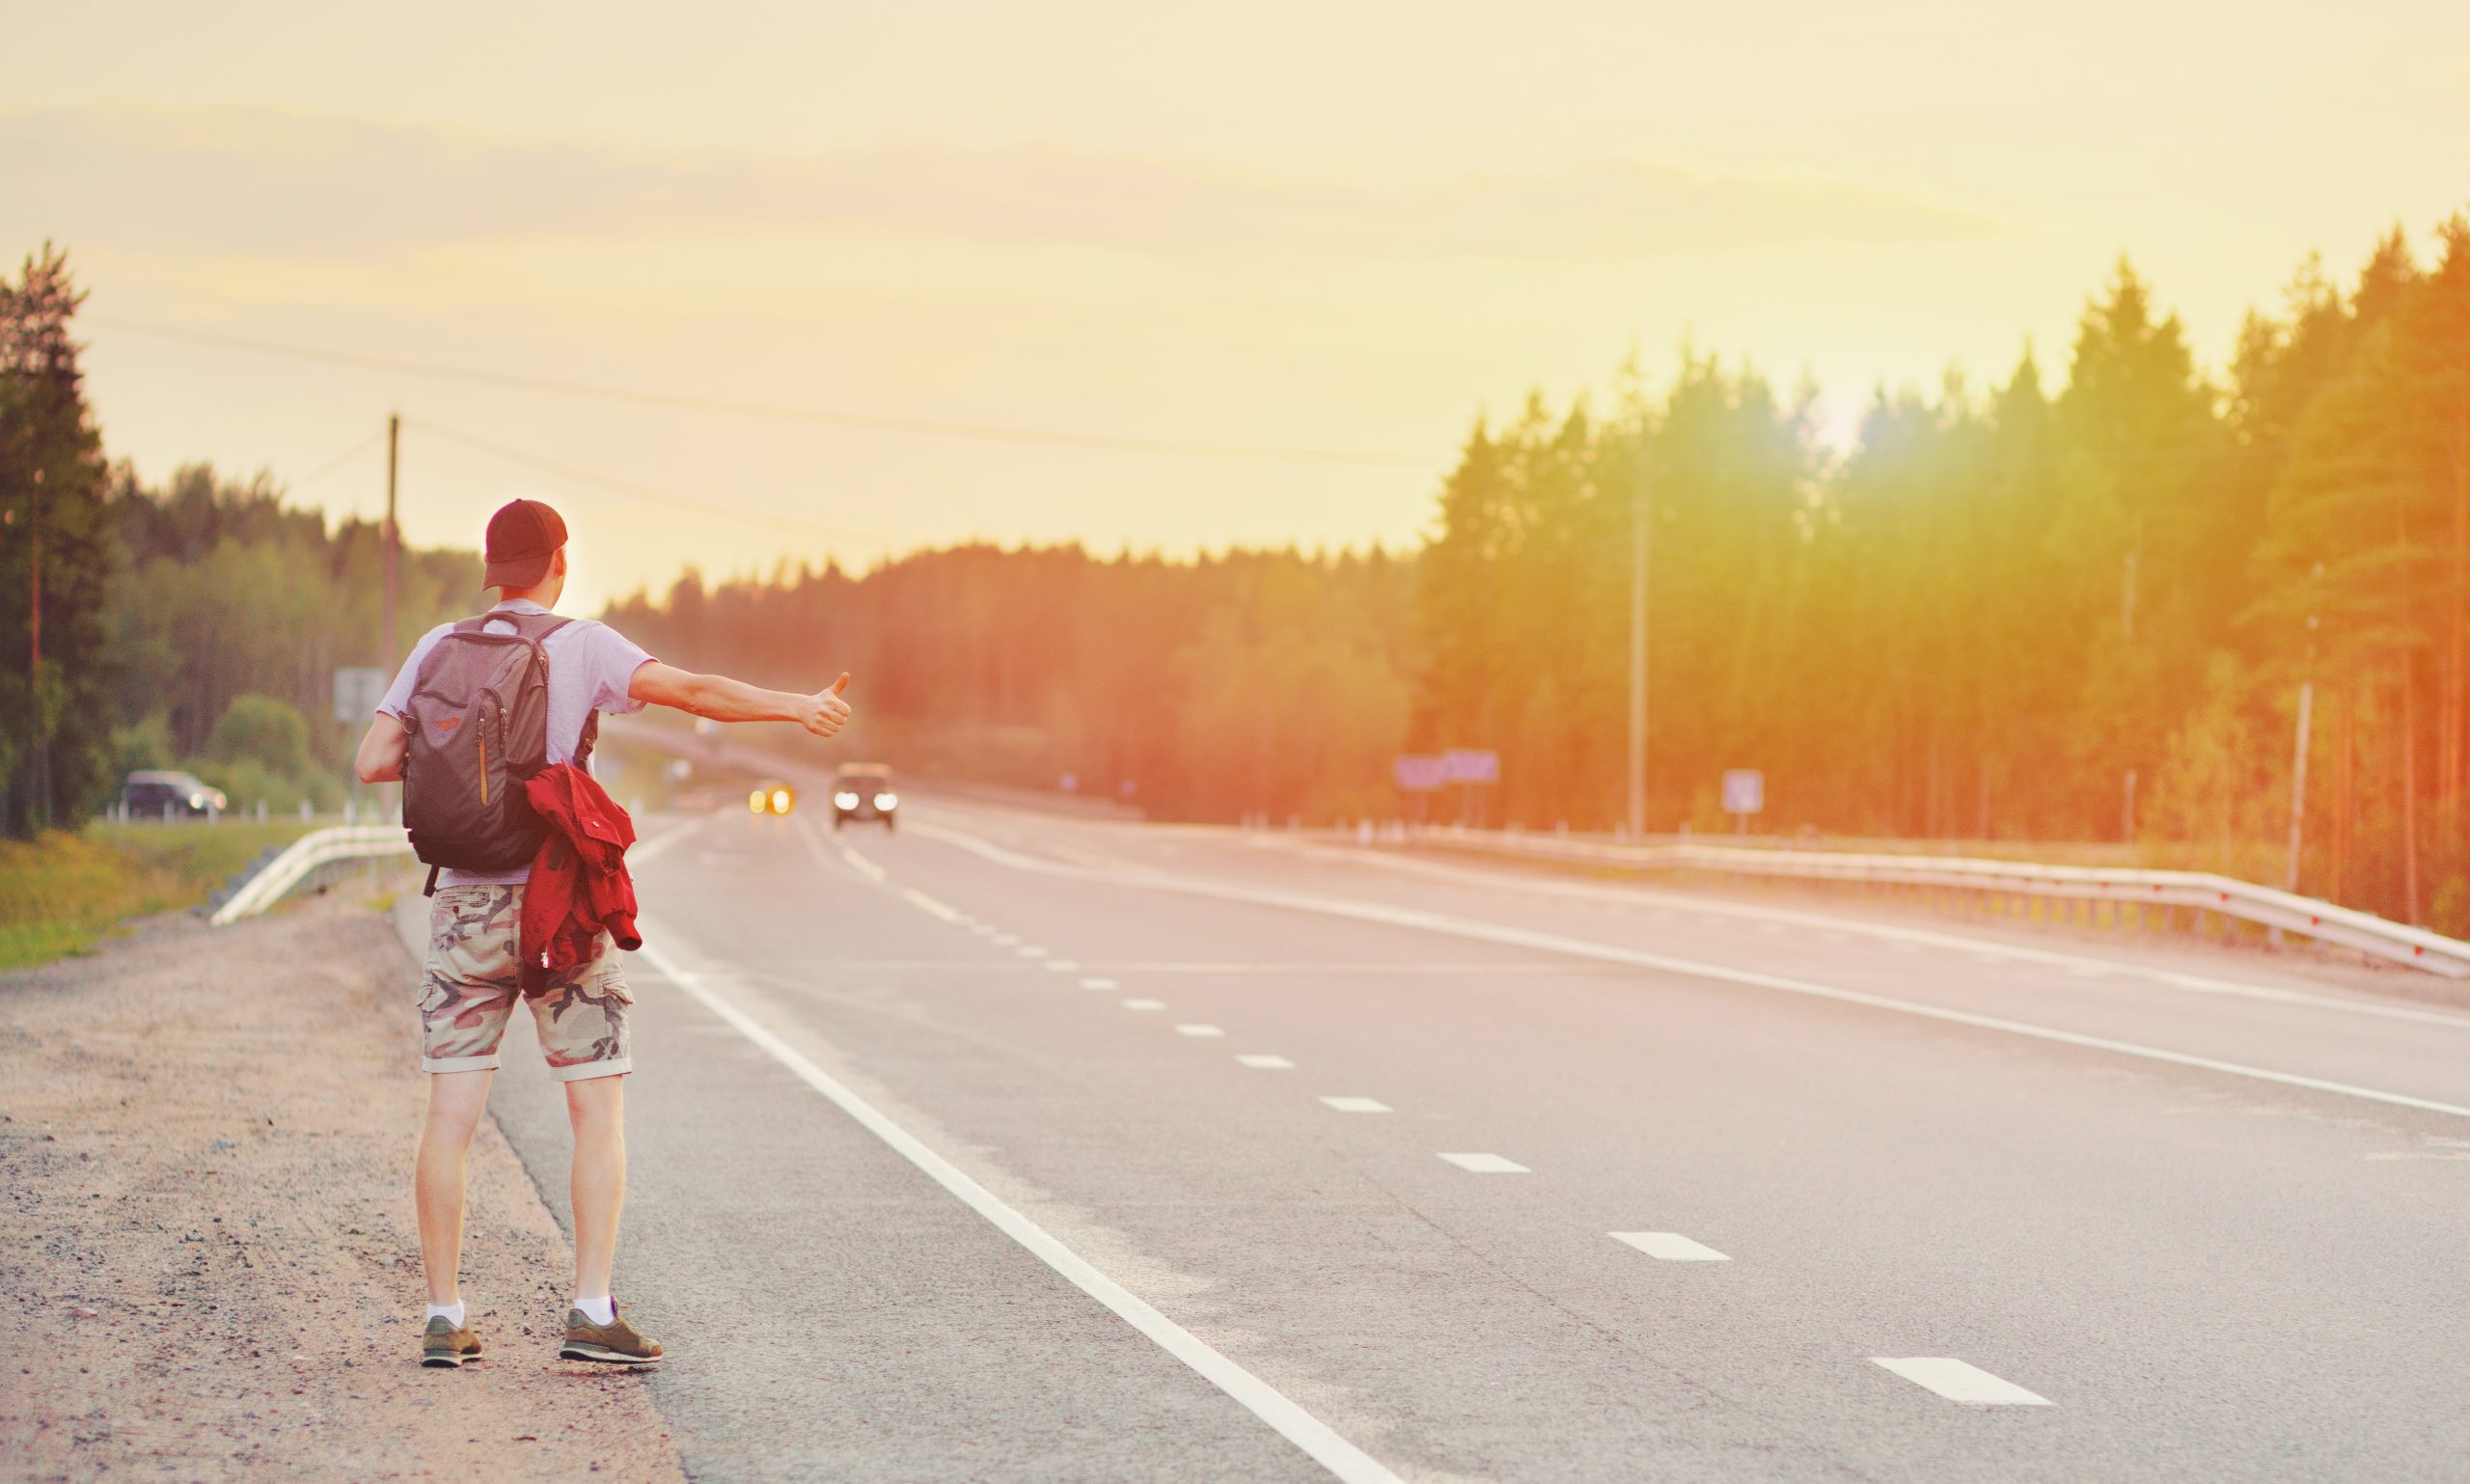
[208, 1267]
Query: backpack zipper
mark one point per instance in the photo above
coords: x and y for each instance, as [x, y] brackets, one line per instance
[485, 767]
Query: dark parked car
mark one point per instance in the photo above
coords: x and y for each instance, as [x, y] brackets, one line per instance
[148, 790]
[863, 790]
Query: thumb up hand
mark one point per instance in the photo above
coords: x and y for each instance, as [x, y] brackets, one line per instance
[825, 711]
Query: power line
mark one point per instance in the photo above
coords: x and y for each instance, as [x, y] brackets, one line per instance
[922, 426]
[336, 462]
[636, 491]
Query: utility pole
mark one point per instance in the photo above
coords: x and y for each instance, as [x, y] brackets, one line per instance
[39, 803]
[1638, 513]
[394, 434]
[2298, 767]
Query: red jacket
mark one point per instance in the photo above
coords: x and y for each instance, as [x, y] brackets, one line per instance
[579, 884]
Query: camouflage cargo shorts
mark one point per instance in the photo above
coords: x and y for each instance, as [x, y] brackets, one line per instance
[472, 979]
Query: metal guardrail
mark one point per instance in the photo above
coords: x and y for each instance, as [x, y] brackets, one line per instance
[316, 848]
[2362, 931]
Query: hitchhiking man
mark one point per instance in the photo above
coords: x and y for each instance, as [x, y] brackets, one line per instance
[472, 976]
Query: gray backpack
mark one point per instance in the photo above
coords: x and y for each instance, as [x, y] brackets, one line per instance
[476, 730]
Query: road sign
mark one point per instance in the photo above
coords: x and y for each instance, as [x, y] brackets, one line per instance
[1420, 773]
[1466, 765]
[1744, 791]
[358, 689]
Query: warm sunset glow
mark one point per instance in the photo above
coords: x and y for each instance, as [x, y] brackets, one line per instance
[1285, 226]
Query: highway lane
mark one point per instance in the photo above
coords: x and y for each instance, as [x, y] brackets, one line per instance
[2205, 1276]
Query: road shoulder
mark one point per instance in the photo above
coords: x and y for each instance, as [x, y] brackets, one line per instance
[208, 1267]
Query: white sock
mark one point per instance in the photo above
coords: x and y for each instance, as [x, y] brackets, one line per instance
[599, 1310]
[452, 1312]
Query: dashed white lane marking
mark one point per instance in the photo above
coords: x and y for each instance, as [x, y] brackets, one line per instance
[1374, 1104]
[1144, 1004]
[1097, 983]
[1487, 1165]
[1343, 1459]
[865, 868]
[1003, 939]
[1062, 966]
[1031, 950]
[928, 904]
[1670, 1246]
[1502, 933]
[1266, 1063]
[1959, 1382]
[1198, 1029]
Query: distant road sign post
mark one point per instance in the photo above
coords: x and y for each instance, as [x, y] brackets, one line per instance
[1420, 775]
[1474, 768]
[358, 689]
[1744, 795]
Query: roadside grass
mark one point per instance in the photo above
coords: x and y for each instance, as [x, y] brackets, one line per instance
[63, 892]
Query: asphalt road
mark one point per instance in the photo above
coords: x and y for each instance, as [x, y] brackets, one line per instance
[1015, 1148]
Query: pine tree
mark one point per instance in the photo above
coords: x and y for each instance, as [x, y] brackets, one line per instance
[56, 556]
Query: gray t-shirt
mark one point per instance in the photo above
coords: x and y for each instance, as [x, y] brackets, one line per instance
[590, 666]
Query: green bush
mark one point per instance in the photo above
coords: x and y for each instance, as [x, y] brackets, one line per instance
[263, 729]
[145, 744]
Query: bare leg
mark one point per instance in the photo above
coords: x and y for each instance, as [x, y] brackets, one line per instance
[456, 1101]
[597, 1108]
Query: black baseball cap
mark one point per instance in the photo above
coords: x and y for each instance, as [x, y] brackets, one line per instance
[523, 536]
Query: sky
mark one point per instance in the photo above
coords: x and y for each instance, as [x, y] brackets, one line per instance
[1301, 246]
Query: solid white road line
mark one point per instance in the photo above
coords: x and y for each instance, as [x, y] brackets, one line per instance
[1097, 983]
[1198, 1031]
[1367, 1104]
[1263, 1064]
[1487, 1165]
[1144, 1004]
[643, 851]
[1343, 1459]
[1669, 1245]
[1959, 1382]
[1897, 937]
[1614, 953]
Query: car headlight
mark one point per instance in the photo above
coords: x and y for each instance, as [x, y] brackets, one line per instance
[197, 801]
[754, 801]
[886, 799]
[845, 799]
[781, 800]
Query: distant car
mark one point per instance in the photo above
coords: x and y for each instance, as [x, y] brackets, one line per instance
[149, 789]
[772, 797]
[863, 790]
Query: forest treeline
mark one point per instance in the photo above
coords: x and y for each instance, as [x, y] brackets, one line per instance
[2075, 602]
[196, 624]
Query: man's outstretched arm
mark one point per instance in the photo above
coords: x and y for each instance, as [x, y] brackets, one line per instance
[725, 699]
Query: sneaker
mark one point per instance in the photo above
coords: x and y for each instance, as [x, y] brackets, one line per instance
[443, 1344]
[615, 1343]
